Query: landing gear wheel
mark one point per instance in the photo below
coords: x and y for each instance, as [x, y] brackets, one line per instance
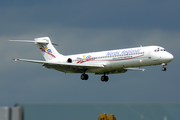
[84, 77]
[164, 69]
[104, 78]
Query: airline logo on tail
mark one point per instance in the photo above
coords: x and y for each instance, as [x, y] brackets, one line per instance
[47, 50]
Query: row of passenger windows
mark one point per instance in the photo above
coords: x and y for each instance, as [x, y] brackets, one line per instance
[157, 50]
[111, 56]
[120, 55]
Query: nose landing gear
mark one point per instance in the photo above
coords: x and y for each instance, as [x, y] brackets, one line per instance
[164, 68]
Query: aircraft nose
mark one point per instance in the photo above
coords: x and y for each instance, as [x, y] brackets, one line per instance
[170, 57]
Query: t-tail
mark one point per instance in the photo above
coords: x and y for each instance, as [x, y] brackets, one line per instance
[46, 47]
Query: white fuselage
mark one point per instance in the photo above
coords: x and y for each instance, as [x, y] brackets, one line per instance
[115, 60]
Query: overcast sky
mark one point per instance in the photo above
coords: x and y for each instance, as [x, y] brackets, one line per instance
[87, 26]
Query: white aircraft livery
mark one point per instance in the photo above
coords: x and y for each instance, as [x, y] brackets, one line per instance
[104, 62]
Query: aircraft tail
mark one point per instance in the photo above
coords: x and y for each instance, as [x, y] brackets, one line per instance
[47, 49]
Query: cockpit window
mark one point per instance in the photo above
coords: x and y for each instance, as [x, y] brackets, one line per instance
[159, 49]
[162, 49]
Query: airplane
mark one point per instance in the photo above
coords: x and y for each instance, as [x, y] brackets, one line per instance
[103, 62]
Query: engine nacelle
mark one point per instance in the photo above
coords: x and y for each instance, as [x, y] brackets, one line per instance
[69, 60]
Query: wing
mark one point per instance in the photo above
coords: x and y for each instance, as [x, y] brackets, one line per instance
[134, 69]
[64, 67]
[77, 68]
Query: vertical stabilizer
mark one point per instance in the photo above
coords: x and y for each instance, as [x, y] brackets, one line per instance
[47, 49]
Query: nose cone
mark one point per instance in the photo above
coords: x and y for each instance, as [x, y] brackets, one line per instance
[167, 57]
[170, 57]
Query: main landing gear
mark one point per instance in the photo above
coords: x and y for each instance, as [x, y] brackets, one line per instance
[104, 78]
[84, 76]
[164, 68]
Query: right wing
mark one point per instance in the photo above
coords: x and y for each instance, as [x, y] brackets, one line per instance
[62, 64]
[75, 68]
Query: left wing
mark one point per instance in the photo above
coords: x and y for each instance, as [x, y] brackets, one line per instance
[62, 64]
[74, 68]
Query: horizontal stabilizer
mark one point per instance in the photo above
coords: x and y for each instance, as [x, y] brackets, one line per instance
[31, 41]
[27, 60]
[135, 69]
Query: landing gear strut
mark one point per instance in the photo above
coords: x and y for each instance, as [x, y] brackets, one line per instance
[84, 76]
[164, 68]
[104, 78]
